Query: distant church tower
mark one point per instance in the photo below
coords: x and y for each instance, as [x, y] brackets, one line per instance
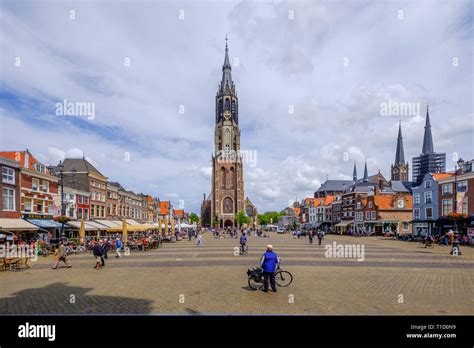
[428, 161]
[227, 190]
[400, 167]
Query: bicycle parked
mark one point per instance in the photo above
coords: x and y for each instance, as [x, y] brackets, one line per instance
[255, 278]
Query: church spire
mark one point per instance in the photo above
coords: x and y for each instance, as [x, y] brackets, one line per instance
[366, 175]
[399, 155]
[226, 70]
[427, 139]
[354, 173]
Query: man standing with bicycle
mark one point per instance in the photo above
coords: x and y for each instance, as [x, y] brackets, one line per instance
[269, 263]
[243, 243]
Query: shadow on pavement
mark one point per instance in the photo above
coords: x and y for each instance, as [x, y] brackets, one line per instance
[59, 298]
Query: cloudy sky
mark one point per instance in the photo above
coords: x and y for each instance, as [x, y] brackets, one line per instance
[311, 77]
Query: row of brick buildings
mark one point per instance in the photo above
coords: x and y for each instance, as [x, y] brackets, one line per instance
[433, 202]
[376, 205]
[31, 195]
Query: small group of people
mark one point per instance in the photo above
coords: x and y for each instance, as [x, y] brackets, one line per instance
[313, 233]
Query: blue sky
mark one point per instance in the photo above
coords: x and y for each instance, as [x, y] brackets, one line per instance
[174, 60]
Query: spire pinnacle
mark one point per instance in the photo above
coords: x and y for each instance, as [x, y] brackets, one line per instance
[366, 175]
[427, 138]
[354, 173]
[399, 154]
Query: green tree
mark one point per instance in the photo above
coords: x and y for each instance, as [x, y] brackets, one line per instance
[193, 217]
[241, 218]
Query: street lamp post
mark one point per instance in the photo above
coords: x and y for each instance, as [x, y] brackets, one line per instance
[63, 212]
[456, 249]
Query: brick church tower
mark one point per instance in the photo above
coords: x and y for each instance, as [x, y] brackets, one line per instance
[227, 190]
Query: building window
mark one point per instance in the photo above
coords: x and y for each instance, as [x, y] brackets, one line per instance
[92, 183]
[416, 213]
[79, 213]
[50, 208]
[370, 204]
[8, 175]
[447, 206]
[86, 200]
[427, 184]
[373, 214]
[71, 212]
[79, 199]
[367, 215]
[27, 205]
[416, 198]
[93, 195]
[447, 189]
[462, 186]
[405, 226]
[35, 184]
[8, 199]
[429, 213]
[464, 205]
[45, 186]
[428, 196]
[39, 206]
[86, 213]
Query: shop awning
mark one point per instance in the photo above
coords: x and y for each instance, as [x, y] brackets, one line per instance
[110, 223]
[345, 223]
[17, 225]
[45, 223]
[132, 222]
[77, 224]
[96, 225]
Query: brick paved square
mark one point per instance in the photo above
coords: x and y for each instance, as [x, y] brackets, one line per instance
[179, 278]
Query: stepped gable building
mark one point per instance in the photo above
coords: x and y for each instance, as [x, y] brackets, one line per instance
[428, 161]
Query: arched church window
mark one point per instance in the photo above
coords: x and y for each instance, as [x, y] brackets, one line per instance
[228, 205]
[227, 104]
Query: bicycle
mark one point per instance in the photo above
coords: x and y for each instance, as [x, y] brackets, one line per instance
[244, 249]
[255, 278]
[425, 243]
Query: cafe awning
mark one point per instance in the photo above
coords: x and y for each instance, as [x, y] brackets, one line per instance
[45, 223]
[17, 225]
[132, 222]
[77, 224]
[345, 223]
[110, 223]
[96, 225]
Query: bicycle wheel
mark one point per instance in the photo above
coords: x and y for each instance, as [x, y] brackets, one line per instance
[254, 285]
[283, 278]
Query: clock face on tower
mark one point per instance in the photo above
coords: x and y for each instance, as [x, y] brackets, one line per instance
[226, 115]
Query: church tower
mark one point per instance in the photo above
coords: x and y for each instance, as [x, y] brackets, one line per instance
[399, 169]
[227, 195]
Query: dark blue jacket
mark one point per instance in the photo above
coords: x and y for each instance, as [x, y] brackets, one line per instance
[97, 251]
[269, 261]
[243, 240]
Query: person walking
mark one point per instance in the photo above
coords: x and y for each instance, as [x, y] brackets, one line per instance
[98, 252]
[311, 236]
[320, 236]
[105, 249]
[118, 247]
[199, 240]
[269, 263]
[190, 234]
[61, 256]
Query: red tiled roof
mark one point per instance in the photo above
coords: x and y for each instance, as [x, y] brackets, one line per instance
[19, 156]
[439, 176]
[328, 200]
[164, 207]
[179, 212]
